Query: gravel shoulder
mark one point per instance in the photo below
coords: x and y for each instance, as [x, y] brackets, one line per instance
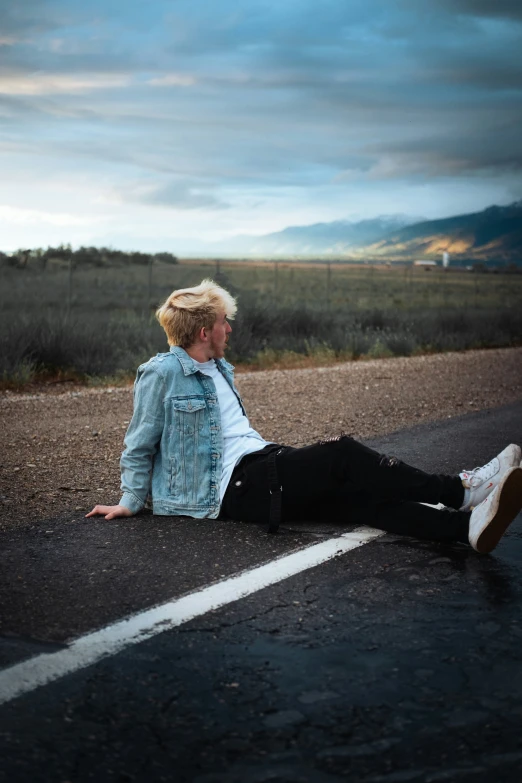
[60, 451]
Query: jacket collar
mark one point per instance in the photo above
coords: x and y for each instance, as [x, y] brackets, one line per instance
[187, 363]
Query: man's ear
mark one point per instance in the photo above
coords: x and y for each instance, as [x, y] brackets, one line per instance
[203, 334]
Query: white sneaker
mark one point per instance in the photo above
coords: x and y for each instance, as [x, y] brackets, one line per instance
[482, 481]
[490, 520]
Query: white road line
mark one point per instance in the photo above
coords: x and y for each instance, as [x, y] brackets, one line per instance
[86, 650]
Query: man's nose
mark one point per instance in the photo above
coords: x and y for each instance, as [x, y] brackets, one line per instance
[229, 328]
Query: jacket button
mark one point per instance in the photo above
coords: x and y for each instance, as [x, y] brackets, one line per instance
[238, 483]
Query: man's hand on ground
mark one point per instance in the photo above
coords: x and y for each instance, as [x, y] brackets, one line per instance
[110, 512]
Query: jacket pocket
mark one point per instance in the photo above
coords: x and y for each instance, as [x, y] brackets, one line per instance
[188, 420]
[188, 414]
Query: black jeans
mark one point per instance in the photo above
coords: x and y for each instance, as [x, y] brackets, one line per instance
[347, 481]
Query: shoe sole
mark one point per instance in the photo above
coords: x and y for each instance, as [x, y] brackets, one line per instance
[509, 505]
[516, 454]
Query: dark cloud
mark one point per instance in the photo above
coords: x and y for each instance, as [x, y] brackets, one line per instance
[292, 93]
[471, 153]
[494, 9]
[25, 18]
[491, 76]
[175, 194]
[254, 28]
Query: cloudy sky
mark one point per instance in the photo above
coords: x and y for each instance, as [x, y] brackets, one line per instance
[140, 124]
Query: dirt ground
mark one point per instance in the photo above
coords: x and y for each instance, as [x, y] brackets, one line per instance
[60, 450]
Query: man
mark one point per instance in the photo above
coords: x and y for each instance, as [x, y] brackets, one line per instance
[191, 450]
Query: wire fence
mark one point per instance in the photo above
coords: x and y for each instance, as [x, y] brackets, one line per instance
[93, 321]
[139, 288]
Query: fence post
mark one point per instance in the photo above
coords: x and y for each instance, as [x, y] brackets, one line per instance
[69, 288]
[328, 283]
[276, 278]
[149, 284]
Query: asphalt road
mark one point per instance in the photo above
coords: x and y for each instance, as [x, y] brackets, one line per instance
[398, 661]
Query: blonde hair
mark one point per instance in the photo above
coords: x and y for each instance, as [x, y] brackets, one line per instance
[188, 310]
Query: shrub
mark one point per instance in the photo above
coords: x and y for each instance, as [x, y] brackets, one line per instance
[52, 345]
[263, 335]
[379, 350]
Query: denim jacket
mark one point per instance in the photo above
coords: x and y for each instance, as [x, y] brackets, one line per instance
[174, 443]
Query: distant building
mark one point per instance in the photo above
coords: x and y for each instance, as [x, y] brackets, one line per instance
[426, 264]
[445, 259]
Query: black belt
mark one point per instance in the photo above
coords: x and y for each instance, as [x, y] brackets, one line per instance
[276, 492]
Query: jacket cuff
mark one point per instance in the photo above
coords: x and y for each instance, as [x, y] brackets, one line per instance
[131, 502]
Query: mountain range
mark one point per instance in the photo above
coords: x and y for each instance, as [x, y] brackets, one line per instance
[493, 235]
[338, 237]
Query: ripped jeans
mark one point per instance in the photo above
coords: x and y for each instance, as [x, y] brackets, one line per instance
[346, 481]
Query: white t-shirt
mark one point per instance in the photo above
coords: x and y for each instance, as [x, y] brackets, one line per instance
[239, 438]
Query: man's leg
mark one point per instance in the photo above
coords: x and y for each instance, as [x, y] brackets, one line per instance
[482, 528]
[407, 518]
[346, 480]
[374, 489]
[344, 464]
[314, 475]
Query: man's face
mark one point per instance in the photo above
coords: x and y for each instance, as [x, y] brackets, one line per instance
[219, 337]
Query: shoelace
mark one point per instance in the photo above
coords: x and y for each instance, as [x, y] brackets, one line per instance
[480, 474]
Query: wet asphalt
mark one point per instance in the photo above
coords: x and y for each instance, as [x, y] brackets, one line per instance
[399, 661]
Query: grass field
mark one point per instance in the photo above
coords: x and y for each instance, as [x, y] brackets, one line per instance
[137, 288]
[94, 322]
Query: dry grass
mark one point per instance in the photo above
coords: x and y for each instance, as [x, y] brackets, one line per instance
[99, 323]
